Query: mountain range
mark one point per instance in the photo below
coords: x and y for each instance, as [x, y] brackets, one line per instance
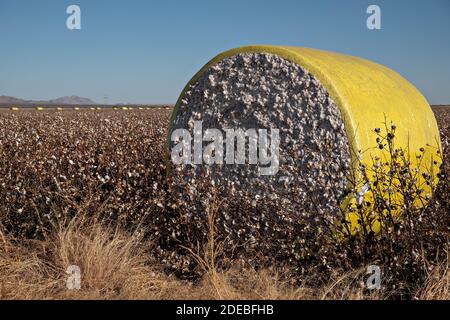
[73, 100]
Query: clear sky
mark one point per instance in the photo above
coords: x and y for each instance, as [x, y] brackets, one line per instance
[145, 51]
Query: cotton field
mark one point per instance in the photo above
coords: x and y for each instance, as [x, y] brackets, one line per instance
[54, 165]
[90, 188]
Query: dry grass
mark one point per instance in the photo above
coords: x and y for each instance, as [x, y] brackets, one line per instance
[113, 267]
[117, 265]
[437, 286]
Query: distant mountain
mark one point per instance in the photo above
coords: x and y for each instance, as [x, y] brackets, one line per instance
[12, 100]
[74, 100]
[71, 100]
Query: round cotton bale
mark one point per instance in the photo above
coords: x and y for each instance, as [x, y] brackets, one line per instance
[325, 105]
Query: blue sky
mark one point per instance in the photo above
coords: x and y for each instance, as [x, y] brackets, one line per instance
[145, 51]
